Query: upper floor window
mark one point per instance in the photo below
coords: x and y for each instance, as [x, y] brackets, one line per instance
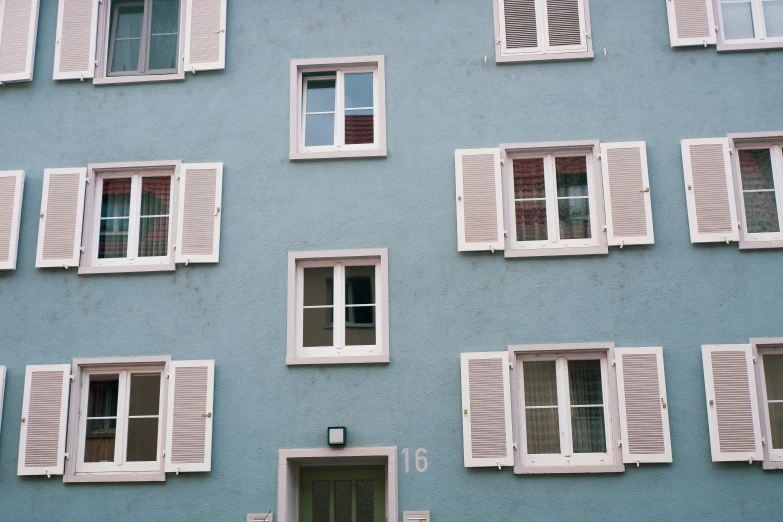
[338, 108]
[751, 21]
[542, 30]
[761, 182]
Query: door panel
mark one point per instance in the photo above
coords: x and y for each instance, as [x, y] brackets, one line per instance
[342, 495]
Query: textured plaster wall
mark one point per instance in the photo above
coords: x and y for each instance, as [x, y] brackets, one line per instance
[441, 95]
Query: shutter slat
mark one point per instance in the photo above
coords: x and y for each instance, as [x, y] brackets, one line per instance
[712, 211]
[189, 430]
[44, 414]
[644, 417]
[198, 226]
[690, 22]
[563, 22]
[519, 20]
[17, 40]
[205, 35]
[77, 28]
[732, 403]
[626, 193]
[62, 211]
[11, 189]
[479, 207]
[486, 403]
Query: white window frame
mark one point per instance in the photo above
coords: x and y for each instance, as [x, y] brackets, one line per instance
[609, 462]
[96, 173]
[773, 458]
[102, 74]
[553, 246]
[338, 353]
[544, 51]
[759, 41]
[336, 68]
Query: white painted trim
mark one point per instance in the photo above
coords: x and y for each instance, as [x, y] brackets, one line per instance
[3, 371]
[27, 74]
[74, 259]
[16, 216]
[759, 42]
[773, 458]
[462, 243]
[90, 71]
[210, 401]
[208, 66]
[214, 257]
[649, 238]
[676, 41]
[97, 478]
[290, 461]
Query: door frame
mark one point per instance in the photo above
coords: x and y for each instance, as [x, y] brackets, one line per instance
[290, 462]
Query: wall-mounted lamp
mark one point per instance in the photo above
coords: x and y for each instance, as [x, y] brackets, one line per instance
[336, 436]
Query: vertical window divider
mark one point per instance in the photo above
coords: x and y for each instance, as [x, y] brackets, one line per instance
[777, 180]
[122, 415]
[339, 109]
[759, 25]
[339, 305]
[542, 16]
[135, 219]
[146, 23]
[550, 189]
[564, 407]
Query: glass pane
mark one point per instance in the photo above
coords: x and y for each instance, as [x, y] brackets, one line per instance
[102, 395]
[321, 500]
[574, 217]
[773, 375]
[163, 51]
[320, 96]
[584, 380]
[100, 439]
[540, 383]
[153, 237]
[360, 285]
[343, 500]
[358, 90]
[115, 200]
[319, 130]
[756, 169]
[359, 126]
[737, 20]
[126, 23]
[776, 424]
[360, 326]
[155, 195]
[318, 286]
[571, 175]
[144, 394]
[165, 16]
[529, 178]
[773, 17]
[142, 440]
[543, 431]
[113, 239]
[531, 220]
[761, 212]
[588, 430]
[317, 327]
[365, 501]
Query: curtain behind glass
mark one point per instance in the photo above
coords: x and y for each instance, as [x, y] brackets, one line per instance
[587, 406]
[163, 34]
[541, 415]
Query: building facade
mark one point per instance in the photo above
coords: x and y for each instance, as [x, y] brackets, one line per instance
[525, 252]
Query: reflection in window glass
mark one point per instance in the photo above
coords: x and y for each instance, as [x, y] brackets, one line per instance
[541, 409]
[318, 307]
[127, 22]
[572, 197]
[359, 305]
[319, 117]
[530, 199]
[359, 106]
[773, 377]
[154, 217]
[115, 218]
[587, 406]
[773, 17]
[758, 190]
[163, 34]
[143, 36]
[737, 19]
[102, 402]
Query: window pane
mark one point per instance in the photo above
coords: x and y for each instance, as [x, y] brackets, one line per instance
[531, 220]
[319, 130]
[574, 217]
[320, 96]
[761, 212]
[571, 174]
[360, 284]
[100, 435]
[543, 431]
[115, 201]
[773, 17]
[127, 25]
[585, 383]
[153, 237]
[317, 327]
[321, 500]
[529, 178]
[776, 424]
[756, 169]
[365, 501]
[142, 440]
[154, 231]
[360, 326]
[144, 394]
[588, 430]
[359, 126]
[773, 375]
[343, 500]
[318, 286]
[102, 395]
[737, 20]
[358, 90]
[113, 238]
[99, 444]
[155, 195]
[165, 16]
[540, 383]
[163, 51]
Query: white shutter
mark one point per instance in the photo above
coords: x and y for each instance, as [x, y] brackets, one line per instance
[77, 31]
[11, 188]
[627, 193]
[189, 424]
[691, 22]
[564, 24]
[486, 410]
[644, 413]
[62, 212]
[44, 417]
[205, 35]
[712, 212]
[2, 391]
[479, 200]
[519, 24]
[18, 28]
[198, 223]
[732, 402]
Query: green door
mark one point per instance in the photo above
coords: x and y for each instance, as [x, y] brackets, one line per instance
[342, 495]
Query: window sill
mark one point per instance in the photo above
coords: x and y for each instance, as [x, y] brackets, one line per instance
[748, 46]
[127, 269]
[85, 478]
[515, 58]
[379, 152]
[113, 80]
[555, 252]
[770, 465]
[546, 470]
[346, 359]
[759, 245]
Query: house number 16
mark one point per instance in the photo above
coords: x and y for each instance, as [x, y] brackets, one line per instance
[421, 460]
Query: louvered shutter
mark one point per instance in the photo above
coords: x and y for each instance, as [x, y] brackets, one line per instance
[205, 35]
[2, 391]
[627, 193]
[77, 31]
[691, 22]
[732, 402]
[44, 417]
[62, 212]
[712, 211]
[519, 25]
[189, 425]
[479, 200]
[564, 26]
[11, 188]
[644, 414]
[18, 28]
[486, 410]
[198, 224]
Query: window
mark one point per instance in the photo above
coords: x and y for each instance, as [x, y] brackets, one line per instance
[761, 182]
[338, 108]
[339, 307]
[542, 30]
[772, 399]
[143, 37]
[750, 23]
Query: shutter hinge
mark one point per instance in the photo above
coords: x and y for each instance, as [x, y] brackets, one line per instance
[754, 360]
[614, 362]
[87, 181]
[505, 233]
[502, 162]
[73, 377]
[67, 455]
[510, 364]
[599, 157]
[763, 441]
[619, 443]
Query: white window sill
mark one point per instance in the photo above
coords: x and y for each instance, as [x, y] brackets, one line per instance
[749, 46]
[141, 78]
[759, 244]
[545, 470]
[771, 465]
[539, 57]
[84, 478]
[126, 269]
[379, 152]
[344, 359]
[553, 252]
